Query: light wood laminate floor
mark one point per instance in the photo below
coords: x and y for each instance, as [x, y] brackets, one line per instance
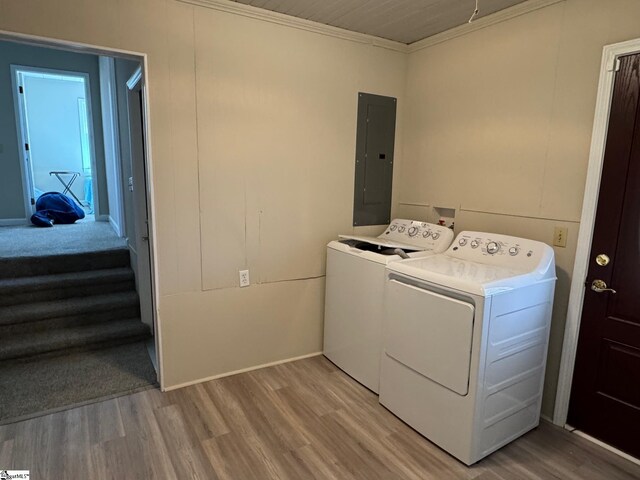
[302, 420]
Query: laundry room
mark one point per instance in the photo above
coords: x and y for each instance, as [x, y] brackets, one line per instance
[252, 121]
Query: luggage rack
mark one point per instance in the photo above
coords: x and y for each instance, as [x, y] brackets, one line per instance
[68, 183]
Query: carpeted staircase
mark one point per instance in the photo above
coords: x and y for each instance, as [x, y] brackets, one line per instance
[66, 304]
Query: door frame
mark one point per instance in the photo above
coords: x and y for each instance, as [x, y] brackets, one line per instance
[137, 84]
[144, 61]
[22, 131]
[111, 136]
[608, 68]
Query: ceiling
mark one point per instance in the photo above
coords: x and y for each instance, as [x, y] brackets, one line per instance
[404, 21]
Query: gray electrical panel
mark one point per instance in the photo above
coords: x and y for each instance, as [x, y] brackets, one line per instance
[374, 159]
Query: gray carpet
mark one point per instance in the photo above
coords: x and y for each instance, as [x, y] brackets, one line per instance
[46, 265]
[70, 331]
[35, 387]
[84, 236]
[46, 308]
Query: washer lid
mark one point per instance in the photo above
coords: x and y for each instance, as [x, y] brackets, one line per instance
[382, 242]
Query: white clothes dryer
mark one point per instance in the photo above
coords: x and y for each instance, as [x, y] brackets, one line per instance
[355, 291]
[465, 337]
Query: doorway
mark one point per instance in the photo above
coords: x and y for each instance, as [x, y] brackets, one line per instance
[55, 126]
[605, 396]
[82, 305]
[598, 393]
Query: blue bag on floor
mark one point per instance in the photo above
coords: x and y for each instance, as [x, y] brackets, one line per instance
[54, 207]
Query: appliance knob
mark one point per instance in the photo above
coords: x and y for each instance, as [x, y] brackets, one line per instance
[462, 242]
[435, 236]
[474, 244]
[413, 231]
[492, 248]
[401, 229]
[513, 251]
[425, 234]
[393, 227]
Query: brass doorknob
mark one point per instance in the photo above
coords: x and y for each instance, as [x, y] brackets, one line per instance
[600, 286]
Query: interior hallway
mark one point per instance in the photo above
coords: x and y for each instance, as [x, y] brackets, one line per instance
[301, 420]
[85, 235]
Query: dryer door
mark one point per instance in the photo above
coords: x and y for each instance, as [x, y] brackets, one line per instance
[429, 333]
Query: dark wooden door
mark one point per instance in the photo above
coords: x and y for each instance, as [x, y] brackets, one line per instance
[605, 398]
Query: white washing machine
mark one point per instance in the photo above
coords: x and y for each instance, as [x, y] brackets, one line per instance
[355, 291]
[465, 337]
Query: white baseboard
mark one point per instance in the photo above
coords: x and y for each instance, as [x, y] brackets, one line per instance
[12, 222]
[243, 370]
[546, 418]
[115, 226]
[102, 218]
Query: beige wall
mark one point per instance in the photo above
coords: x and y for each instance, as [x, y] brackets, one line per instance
[498, 125]
[253, 132]
[253, 144]
[276, 139]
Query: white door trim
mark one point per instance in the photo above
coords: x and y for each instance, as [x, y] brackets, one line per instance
[111, 136]
[22, 127]
[610, 56]
[21, 131]
[138, 82]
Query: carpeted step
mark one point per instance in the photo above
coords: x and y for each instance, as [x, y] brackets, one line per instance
[71, 308]
[12, 267]
[66, 340]
[42, 288]
[49, 324]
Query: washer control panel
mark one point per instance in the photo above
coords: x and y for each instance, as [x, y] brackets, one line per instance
[496, 249]
[422, 234]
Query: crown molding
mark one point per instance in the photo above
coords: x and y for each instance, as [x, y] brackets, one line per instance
[243, 10]
[235, 8]
[483, 22]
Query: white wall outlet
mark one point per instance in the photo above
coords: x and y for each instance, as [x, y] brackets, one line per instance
[560, 236]
[244, 278]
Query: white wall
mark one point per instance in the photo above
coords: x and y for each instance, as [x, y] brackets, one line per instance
[54, 128]
[253, 143]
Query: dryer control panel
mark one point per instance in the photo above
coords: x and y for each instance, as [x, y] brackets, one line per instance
[426, 235]
[500, 250]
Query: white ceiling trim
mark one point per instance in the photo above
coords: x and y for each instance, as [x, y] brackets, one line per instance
[483, 22]
[241, 9]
